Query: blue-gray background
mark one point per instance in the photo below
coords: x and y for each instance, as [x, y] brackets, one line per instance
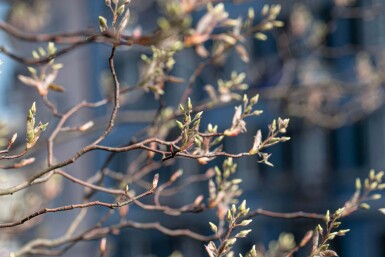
[313, 172]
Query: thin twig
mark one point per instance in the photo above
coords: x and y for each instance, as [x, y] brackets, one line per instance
[75, 206]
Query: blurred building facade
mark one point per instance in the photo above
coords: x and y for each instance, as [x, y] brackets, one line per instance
[317, 169]
[313, 172]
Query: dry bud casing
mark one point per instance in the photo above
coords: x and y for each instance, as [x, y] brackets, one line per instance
[103, 246]
[155, 181]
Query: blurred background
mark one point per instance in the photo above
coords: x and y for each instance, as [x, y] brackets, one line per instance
[325, 69]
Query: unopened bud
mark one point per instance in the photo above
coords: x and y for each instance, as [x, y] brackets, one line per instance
[231, 241]
[358, 184]
[365, 206]
[265, 10]
[102, 23]
[376, 197]
[189, 104]
[120, 10]
[242, 207]
[243, 233]
[213, 227]
[245, 222]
